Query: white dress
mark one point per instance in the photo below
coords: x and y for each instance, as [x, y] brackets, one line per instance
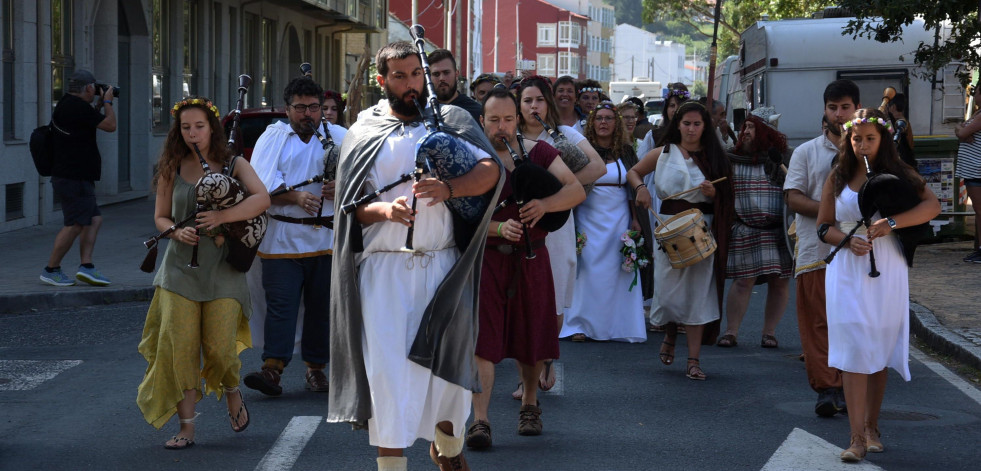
[407, 400]
[868, 318]
[602, 306]
[682, 295]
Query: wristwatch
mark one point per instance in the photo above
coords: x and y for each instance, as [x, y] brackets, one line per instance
[891, 222]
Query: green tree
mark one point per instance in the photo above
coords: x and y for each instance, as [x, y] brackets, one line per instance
[883, 20]
[736, 16]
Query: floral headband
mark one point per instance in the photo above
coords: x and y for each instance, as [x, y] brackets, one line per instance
[869, 120]
[195, 101]
[332, 95]
[606, 105]
[590, 89]
[675, 92]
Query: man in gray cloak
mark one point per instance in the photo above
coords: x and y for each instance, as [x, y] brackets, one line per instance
[404, 325]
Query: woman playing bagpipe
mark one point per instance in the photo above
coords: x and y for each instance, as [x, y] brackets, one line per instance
[868, 320]
[196, 311]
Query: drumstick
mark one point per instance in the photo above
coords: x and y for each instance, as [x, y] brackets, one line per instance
[656, 216]
[692, 189]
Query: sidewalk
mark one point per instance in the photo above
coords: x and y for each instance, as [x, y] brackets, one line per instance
[945, 294]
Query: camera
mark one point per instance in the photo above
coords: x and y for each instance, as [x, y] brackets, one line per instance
[101, 87]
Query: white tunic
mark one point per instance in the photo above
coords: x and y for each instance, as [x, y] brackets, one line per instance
[604, 307]
[683, 295]
[407, 400]
[561, 244]
[868, 318]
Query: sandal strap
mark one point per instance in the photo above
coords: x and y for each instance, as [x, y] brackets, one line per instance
[191, 420]
[693, 360]
[230, 390]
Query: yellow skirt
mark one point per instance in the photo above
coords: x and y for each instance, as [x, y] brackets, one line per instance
[177, 334]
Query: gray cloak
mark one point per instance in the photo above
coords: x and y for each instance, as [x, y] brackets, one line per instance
[447, 336]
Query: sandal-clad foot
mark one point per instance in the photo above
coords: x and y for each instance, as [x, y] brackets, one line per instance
[578, 337]
[856, 449]
[769, 341]
[667, 354]
[238, 422]
[547, 379]
[694, 370]
[518, 393]
[727, 340]
[873, 440]
[184, 438]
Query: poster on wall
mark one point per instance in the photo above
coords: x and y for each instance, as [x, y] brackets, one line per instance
[939, 176]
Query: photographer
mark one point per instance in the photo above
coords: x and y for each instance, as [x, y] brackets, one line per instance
[77, 166]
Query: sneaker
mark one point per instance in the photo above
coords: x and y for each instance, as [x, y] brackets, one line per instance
[530, 420]
[92, 276]
[456, 463]
[56, 278]
[825, 406]
[317, 381]
[974, 257]
[479, 435]
[265, 381]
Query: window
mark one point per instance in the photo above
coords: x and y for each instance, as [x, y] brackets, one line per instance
[62, 48]
[568, 64]
[569, 34]
[546, 65]
[546, 34]
[15, 201]
[8, 69]
[268, 51]
[159, 110]
[190, 48]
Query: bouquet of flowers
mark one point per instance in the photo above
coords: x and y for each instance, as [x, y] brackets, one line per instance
[580, 242]
[635, 257]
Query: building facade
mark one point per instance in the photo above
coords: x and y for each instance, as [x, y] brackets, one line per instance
[638, 54]
[599, 36]
[157, 52]
[434, 18]
[533, 37]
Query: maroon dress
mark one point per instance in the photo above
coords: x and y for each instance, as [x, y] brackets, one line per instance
[517, 295]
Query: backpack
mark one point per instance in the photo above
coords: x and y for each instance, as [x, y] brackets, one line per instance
[42, 147]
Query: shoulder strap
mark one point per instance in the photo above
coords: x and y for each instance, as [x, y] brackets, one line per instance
[231, 165]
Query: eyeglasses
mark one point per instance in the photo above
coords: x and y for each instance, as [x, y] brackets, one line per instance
[303, 108]
[605, 118]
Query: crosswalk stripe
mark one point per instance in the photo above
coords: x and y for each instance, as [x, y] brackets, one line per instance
[804, 451]
[24, 375]
[290, 443]
[946, 374]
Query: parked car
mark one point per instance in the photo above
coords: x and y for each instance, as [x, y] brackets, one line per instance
[252, 123]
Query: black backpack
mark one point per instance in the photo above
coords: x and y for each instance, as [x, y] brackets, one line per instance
[42, 147]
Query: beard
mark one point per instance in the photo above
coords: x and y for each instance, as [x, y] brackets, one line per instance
[302, 127]
[498, 145]
[746, 146]
[404, 106]
[834, 129]
[445, 95]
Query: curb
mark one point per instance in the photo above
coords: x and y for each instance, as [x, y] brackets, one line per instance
[16, 304]
[926, 326]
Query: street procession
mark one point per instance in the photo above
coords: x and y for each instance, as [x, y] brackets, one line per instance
[674, 234]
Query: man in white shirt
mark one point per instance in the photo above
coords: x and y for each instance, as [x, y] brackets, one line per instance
[296, 252]
[808, 170]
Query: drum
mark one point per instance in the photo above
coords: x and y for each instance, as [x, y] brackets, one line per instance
[685, 238]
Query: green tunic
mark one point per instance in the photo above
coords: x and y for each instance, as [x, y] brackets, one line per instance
[214, 278]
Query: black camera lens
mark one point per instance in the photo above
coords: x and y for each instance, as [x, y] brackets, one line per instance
[103, 87]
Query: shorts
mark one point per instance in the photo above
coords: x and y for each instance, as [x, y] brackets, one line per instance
[77, 200]
[975, 182]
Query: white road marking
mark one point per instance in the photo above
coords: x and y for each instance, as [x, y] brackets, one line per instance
[804, 451]
[24, 375]
[942, 371]
[290, 443]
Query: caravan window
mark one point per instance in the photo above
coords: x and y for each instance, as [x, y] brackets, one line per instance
[871, 83]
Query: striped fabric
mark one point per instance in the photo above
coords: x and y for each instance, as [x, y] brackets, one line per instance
[756, 245]
[969, 158]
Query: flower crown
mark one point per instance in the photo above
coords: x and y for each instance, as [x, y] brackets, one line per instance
[676, 92]
[195, 101]
[606, 105]
[337, 97]
[590, 89]
[869, 120]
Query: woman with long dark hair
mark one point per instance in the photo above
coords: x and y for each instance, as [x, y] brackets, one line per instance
[605, 304]
[868, 318]
[691, 157]
[196, 312]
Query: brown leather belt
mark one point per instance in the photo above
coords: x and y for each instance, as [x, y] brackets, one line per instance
[671, 207]
[314, 221]
[509, 249]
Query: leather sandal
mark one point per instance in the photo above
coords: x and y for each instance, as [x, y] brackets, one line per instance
[727, 340]
[241, 410]
[856, 449]
[180, 442]
[769, 341]
[694, 370]
[549, 377]
[873, 441]
[666, 356]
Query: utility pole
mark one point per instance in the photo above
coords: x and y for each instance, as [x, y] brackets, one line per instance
[415, 12]
[497, 36]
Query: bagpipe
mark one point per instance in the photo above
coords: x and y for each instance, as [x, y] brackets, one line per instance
[889, 195]
[439, 154]
[329, 159]
[573, 156]
[532, 181]
[217, 191]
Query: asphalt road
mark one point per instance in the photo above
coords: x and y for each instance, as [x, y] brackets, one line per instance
[68, 384]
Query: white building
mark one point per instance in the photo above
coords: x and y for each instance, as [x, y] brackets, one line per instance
[638, 53]
[598, 37]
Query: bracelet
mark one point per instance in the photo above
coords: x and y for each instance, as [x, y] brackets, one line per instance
[638, 186]
[499, 226]
[107, 102]
[448, 185]
[823, 231]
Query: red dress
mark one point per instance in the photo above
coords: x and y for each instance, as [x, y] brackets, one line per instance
[517, 295]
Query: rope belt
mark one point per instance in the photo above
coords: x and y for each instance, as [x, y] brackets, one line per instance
[426, 256]
[847, 227]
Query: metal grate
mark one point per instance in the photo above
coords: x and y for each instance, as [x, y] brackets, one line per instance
[15, 201]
